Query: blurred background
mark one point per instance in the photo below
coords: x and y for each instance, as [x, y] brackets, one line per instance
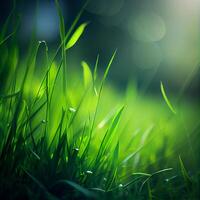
[156, 40]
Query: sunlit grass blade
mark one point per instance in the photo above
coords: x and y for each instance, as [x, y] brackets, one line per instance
[106, 119]
[70, 30]
[87, 75]
[76, 35]
[95, 75]
[143, 143]
[166, 98]
[108, 135]
[95, 68]
[97, 104]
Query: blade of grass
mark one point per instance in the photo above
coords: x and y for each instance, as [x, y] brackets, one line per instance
[155, 173]
[114, 167]
[76, 35]
[62, 36]
[107, 136]
[166, 98]
[184, 172]
[97, 104]
[87, 75]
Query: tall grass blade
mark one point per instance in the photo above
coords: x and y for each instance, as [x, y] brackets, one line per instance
[105, 142]
[97, 104]
[107, 70]
[62, 37]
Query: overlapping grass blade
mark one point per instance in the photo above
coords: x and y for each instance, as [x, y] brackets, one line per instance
[114, 167]
[108, 135]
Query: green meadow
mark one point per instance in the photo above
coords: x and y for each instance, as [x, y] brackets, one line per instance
[70, 133]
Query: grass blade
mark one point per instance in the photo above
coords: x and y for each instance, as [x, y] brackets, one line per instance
[108, 135]
[166, 98]
[114, 168]
[184, 172]
[76, 35]
[87, 75]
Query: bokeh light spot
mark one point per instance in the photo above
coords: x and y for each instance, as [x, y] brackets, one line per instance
[147, 26]
[104, 7]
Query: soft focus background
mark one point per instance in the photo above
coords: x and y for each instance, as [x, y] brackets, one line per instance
[156, 40]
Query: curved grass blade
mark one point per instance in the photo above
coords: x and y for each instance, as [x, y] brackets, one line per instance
[76, 35]
[184, 172]
[6, 38]
[87, 75]
[166, 98]
[141, 174]
[155, 173]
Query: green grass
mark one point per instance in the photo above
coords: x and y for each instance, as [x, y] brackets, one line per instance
[72, 135]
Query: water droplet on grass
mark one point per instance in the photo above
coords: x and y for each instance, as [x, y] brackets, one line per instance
[72, 109]
[89, 172]
[44, 121]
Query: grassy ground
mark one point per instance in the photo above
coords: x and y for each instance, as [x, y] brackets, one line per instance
[73, 135]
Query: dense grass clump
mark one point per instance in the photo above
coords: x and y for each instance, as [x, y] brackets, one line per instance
[64, 135]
